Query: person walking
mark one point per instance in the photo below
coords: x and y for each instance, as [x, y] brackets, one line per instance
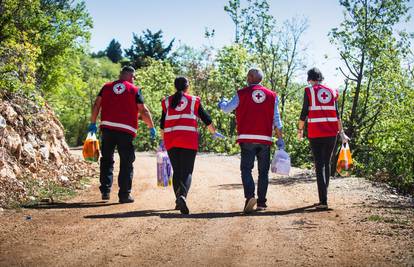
[119, 102]
[257, 114]
[179, 133]
[321, 111]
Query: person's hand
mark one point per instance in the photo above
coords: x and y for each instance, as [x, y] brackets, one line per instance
[344, 137]
[218, 135]
[153, 133]
[222, 103]
[280, 143]
[300, 134]
[92, 128]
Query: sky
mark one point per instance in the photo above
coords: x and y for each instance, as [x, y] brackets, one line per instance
[186, 21]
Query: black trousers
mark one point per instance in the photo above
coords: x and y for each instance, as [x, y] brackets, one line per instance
[322, 149]
[112, 139]
[182, 161]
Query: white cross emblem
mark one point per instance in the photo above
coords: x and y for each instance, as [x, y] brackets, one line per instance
[182, 105]
[324, 96]
[258, 96]
[119, 88]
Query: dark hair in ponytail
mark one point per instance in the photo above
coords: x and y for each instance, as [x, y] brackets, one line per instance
[180, 83]
[314, 74]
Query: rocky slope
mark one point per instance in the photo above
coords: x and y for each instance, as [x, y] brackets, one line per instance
[33, 151]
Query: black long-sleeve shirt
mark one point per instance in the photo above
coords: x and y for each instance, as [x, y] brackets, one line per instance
[305, 108]
[204, 116]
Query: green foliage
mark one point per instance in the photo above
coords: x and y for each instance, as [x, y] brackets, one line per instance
[156, 81]
[376, 101]
[150, 45]
[114, 51]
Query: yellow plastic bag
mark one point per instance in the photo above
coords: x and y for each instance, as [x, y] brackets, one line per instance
[90, 150]
[345, 163]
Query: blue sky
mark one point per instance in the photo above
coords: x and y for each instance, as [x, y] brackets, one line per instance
[186, 21]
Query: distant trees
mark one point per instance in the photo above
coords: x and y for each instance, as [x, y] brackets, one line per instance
[149, 45]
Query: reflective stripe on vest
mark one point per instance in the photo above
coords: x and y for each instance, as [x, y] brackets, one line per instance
[180, 128]
[119, 125]
[329, 119]
[255, 136]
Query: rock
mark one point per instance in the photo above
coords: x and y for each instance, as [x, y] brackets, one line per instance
[44, 152]
[9, 112]
[31, 198]
[7, 172]
[64, 179]
[13, 142]
[29, 152]
[3, 123]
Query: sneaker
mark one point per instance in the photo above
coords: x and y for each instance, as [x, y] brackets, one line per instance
[127, 199]
[261, 206]
[321, 206]
[182, 205]
[106, 196]
[249, 205]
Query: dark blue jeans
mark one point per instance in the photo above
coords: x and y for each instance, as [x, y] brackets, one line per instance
[112, 139]
[249, 152]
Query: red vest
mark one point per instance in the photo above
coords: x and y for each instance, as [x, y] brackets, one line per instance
[254, 115]
[322, 117]
[180, 128]
[119, 109]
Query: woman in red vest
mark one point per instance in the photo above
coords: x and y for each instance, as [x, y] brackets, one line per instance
[179, 130]
[324, 124]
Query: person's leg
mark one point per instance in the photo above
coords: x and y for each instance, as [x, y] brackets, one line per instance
[248, 154]
[327, 150]
[317, 148]
[126, 153]
[107, 161]
[187, 158]
[173, 154]
[263, 165]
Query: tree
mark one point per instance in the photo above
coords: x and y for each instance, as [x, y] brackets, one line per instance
[371, 54]
[114, 51]
[150, 45]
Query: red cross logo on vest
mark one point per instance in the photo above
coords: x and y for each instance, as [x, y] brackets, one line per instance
[182, 105]
[258, 96]
[324, 96]
[119, 88]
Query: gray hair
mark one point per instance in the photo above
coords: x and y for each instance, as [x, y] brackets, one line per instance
[256, 74]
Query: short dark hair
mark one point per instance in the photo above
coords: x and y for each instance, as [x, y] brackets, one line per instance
[129, 69]
[314, 74]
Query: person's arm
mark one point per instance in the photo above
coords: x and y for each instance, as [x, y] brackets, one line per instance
[145, 115]
[204, 115]
[228, 107]
[96, 109]
[277, 121]
[162, 124]
[304, 113]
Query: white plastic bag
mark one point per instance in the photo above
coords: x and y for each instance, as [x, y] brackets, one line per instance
[281, 162]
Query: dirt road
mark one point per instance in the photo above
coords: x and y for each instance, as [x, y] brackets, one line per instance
[367, 226]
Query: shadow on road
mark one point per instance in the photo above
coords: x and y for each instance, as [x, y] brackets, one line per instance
[76, 205]
[207, 215]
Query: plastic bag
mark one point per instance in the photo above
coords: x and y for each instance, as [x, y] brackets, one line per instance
[90, 150]
[281, 162]
[345, 163]
[164, 169]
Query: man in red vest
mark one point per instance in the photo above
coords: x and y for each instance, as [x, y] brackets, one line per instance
[119, 102]
[257, 115]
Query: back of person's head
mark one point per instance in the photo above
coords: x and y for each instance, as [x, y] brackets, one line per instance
[314, 74]
[127, 73]
[181, 84]
[254, 76]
